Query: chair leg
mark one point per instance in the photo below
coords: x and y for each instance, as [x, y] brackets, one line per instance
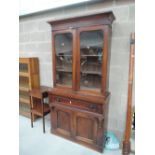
[31, 111]
[31, 120]
[43, 124]
[43, 116]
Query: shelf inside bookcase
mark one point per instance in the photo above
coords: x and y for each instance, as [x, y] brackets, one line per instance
[24, 74]
[62, 70]
[91, 72]
[63, 55]
[23, 87]
[24, 99]
[83, 72]
[23, 83]
[24, 110]
[86, 44]
[84, 55]
[64, 78]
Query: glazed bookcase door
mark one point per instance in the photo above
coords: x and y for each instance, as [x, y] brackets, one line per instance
[63, 53]
[91, 48]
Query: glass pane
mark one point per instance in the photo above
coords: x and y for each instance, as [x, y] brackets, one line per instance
[63, 48]
[23, 67]
[91, 49]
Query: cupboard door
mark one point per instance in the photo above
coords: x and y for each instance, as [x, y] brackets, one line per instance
[85, 128]
[91, 52]
[63, 47]
[61, 121]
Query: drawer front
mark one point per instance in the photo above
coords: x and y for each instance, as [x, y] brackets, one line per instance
[77, 103]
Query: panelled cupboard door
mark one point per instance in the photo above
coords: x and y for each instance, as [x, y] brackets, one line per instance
[63, 52]
[86, 128]
[62, 121]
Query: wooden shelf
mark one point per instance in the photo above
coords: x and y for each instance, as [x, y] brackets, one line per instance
[24, 99]
[92, 45]
[64, 55]
[24, 109]
[91, 72]
[64, 50]
[84, 72]
[23, 87]
[63, 70]
[25, 74]
[91, 55]
[38, 110]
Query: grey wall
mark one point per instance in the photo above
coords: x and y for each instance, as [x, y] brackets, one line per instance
[35, 41]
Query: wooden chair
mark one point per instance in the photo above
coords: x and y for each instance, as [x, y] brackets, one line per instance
[38, 106]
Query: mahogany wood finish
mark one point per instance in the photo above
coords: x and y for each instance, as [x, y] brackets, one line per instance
[80, 113]
[126, 142]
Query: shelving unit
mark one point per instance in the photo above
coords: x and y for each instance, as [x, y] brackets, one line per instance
[28, 79]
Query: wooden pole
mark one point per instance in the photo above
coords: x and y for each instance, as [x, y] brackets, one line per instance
[126, 142]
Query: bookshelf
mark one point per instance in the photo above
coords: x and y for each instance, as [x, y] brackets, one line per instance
[28, 79]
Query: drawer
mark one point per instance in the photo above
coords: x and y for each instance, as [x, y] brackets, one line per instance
[77, 103]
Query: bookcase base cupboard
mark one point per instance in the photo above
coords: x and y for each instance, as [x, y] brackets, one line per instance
[79, 98]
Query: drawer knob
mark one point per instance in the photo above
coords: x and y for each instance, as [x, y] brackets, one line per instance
[70, 102]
